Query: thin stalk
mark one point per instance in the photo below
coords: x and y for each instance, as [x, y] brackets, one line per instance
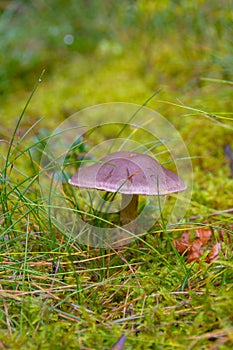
[4, 195]
[24, 275]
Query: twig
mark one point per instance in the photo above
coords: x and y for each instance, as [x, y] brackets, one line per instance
[226, 211]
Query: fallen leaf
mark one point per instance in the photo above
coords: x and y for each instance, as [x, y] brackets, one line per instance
[214, 253]
[192, 244]
[204, 233]
[183, 243]
[195, 251]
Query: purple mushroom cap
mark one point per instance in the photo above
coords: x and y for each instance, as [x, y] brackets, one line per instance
[129, 173]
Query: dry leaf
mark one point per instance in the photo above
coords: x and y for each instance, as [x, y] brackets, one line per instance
[192, 245]
[183, 243]
[204, 234]
[195, 251]
[214, 253]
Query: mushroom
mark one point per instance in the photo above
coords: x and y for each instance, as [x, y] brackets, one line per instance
[131, 174]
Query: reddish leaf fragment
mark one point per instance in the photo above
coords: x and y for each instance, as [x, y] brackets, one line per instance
[204, 234]
[214, 253]
[183, 243]
[192, 245]
[195, 251]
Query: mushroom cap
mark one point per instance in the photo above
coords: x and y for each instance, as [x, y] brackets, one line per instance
[128, 173]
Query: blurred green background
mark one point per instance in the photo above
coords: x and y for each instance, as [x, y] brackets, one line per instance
[100, 50]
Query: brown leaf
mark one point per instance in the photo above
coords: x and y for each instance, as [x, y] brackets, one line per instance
[204, 233]
[195, 251]
[183, 243]
[214, 253]
[194, 255]
[192, 245]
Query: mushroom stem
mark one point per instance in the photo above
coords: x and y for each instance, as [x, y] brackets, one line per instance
[129, 211]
